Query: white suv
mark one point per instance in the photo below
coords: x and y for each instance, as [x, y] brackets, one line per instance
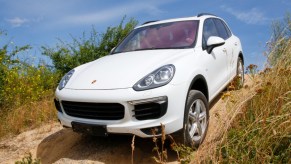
[164, 72]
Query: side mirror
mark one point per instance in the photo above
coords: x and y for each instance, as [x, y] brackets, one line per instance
[214, 41]
[111, 51]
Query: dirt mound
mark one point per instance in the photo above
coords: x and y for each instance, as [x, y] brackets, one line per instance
[57, 145]
[13, 149]
[66, 146]
[53, 144]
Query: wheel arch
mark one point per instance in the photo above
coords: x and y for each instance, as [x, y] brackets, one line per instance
[240, 55]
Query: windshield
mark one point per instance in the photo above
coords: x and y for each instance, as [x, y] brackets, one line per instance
[161, 36]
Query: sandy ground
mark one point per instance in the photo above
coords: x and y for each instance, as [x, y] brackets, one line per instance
[54, 144]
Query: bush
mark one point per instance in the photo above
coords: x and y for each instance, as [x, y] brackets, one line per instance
[8, 64]
[20, 82]
[27, 84]
[26, 91]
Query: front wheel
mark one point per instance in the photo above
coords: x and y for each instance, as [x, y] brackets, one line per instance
[196, 118]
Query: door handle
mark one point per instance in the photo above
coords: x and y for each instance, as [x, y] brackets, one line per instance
[224, 50]
[235, 43]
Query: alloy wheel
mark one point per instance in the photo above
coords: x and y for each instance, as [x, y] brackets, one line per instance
[197, 120]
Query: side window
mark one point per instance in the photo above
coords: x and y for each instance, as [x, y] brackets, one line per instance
[209, 29]
[222, 32]
[227, 29]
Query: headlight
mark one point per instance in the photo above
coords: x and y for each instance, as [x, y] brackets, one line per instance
[157, 78]
[65, 79]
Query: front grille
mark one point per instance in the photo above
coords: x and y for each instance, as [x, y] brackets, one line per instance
[98, 111]
[150, 110]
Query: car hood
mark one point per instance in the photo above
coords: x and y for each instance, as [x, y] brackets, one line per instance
[121, 70]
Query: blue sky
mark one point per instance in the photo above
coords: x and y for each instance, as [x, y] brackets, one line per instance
[42, 22]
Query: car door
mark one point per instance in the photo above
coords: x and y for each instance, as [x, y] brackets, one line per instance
[228, 46]
[217, 60]
[235, 42]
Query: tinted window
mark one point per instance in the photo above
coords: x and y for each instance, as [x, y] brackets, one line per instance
[222, 32]
[209, 29]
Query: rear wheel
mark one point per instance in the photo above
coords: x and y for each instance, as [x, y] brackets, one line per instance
[196, 119]
[240, 73]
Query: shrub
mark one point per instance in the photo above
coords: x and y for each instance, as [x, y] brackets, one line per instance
[26, 91]
[20, 82]
[8, 64]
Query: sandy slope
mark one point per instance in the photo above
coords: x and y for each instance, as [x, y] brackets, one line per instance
[53, 144]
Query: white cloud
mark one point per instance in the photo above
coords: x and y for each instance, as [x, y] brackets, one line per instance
[252, 16]
[17, 22]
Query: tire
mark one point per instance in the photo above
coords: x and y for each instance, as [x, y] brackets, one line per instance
[194, 132]
[240, 73]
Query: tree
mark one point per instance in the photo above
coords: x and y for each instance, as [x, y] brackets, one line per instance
[66, 56]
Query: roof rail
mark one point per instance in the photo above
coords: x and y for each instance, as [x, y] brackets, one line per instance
[149, 22]
[202, 14]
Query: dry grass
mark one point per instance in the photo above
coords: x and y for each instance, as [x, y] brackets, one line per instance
[31, 115]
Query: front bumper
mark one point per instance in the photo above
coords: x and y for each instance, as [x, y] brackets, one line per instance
[172, 119]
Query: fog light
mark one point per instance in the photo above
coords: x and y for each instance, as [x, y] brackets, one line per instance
[152, 131]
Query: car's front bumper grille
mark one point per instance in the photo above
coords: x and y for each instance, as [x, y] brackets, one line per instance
[98, 111]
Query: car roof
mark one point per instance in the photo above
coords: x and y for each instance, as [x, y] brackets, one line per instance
[201, 16]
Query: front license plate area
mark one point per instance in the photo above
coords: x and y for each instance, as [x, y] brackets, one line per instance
[96, 130]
